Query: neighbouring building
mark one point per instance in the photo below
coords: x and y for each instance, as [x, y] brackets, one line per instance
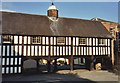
[114, 29]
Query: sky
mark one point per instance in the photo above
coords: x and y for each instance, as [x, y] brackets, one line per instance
[82, 10]
[60, 0]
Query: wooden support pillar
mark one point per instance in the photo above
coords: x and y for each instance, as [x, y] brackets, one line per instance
[92, 57]
[87, 63]
[48, 66]
[92, 63]
[55, 65]
[22, 56]
[22, 61]
[65, 61]
[49, 58]
[71, 64]
[37, 64]
[78, 61]
[81, 60]
[71, 58]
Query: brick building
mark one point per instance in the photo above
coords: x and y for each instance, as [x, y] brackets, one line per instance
[114, 29]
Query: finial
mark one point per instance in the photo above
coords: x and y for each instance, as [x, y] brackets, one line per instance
[52, 3]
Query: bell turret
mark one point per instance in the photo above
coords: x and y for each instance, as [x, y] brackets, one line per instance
[52, 12]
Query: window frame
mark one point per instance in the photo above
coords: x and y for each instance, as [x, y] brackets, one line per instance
[7, 39]
[101, 41]
[82, 41]
[60, 40]
[36, 40]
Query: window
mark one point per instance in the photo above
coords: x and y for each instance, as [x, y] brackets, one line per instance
[82, 41]
[101, 41]
[60, 40]
[7, 39]
[36, 40]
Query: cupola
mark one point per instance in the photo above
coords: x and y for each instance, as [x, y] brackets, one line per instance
[52, 11]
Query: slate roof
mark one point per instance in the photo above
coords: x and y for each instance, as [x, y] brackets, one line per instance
[28, 24]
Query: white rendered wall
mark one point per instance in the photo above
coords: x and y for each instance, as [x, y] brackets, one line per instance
[59, 50]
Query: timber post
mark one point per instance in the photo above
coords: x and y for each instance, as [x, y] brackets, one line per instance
[37, 64]
[22, 60]
[49, 58]
[55, 65]
[71, 58]
[48, 66]
[92, 58]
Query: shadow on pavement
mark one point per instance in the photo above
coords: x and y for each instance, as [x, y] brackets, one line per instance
[38, 77]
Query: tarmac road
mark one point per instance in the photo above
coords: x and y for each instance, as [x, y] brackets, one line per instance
[64, 76]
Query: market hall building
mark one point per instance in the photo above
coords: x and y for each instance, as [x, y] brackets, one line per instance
[28, 38]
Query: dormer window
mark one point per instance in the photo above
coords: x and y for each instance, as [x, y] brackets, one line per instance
[82, 41]
[60, 40]
[7, 39]
[36, 40]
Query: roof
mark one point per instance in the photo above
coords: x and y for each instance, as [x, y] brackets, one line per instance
[27, 24]
[101, 20]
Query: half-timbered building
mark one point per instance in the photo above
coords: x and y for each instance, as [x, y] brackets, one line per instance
[28, 36]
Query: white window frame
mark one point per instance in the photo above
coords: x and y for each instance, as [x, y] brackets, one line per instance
[82, 41]
[60, 40]
[36, 40]
[101, 41]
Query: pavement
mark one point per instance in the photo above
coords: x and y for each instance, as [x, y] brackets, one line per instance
[64, 76]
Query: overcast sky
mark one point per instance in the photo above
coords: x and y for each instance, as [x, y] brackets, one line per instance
[83, 10]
